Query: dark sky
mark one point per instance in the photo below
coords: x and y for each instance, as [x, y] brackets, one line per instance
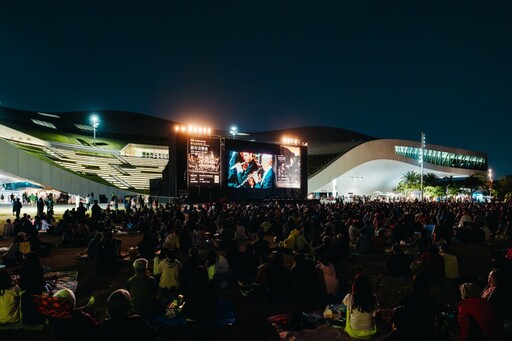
[388, 69]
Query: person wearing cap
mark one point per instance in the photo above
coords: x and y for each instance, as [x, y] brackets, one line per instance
[80, 326]
[143, 289]
[477, 320]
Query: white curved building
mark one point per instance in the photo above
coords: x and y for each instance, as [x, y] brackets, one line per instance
[379, 165]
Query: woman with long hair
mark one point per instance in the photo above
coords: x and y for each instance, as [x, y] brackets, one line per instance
[361, 309]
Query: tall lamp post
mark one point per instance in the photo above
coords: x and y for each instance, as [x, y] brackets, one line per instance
[422, 157]
[95, 122]
[490, 182]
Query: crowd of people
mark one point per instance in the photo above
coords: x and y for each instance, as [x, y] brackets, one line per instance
[189, 253]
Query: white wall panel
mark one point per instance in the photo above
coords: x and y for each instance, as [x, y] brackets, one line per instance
[46, 173]
[23, 164]
[3, 154]
[55, 177]
[34, 169]
[12, 162]
[67, 181]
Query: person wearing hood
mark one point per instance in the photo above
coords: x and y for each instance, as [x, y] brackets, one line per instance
[327, 275]
[170, 271]
[289, 243]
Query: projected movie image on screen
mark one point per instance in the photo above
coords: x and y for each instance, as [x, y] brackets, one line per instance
[251, 170]
[264, 171]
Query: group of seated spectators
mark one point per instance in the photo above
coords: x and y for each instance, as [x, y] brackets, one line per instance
[194, 251]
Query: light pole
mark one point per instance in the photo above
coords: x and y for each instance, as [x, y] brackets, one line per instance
[422, 157]
[490, 182]
[95, 122]
[233, 131]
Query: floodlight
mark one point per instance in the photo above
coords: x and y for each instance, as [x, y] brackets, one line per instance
[95, 122]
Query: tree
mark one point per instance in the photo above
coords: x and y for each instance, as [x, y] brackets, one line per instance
[474, 182]
[451, 188]
[411, 180]
[503, 188]
[430, 179]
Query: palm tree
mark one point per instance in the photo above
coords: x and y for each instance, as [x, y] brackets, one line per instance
[430, 179]
[451, 187]
[474, 182]
[503, 188]
[411, 180]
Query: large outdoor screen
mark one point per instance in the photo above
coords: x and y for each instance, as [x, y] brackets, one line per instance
[247, 169]
[203, 161]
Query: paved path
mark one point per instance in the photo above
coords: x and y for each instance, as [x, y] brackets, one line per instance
[6, 210]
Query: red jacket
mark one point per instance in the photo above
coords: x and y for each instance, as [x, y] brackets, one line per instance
[483, 314]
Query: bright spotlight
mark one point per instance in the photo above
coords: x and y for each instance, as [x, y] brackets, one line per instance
[233, 131]
[95, 122]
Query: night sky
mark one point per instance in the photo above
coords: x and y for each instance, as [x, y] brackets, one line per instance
[388, 69]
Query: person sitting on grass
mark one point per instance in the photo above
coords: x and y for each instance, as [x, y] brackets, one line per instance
[278, 277]
[77, 326]
[327, 276]
[13, 256]
[261, 245]
[190, 265]
[169, 270]
[303, 278]
[219, 270]
[120, 324]
[143, 290]
[93, 247]
[361, 309]
[9, 299]
[421, 308]
[477, 320]
[201, 302]
[398, 264]
[400, 321]
[106, 259]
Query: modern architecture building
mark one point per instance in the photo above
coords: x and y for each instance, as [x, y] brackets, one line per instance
[59, 151]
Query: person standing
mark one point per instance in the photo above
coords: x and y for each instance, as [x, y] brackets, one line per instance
[16, 207]
[96, 211]
[40, 206]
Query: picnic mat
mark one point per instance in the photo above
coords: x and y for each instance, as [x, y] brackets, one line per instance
[57, 280]
[226, 317]
[321, 332]
[63, 280]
